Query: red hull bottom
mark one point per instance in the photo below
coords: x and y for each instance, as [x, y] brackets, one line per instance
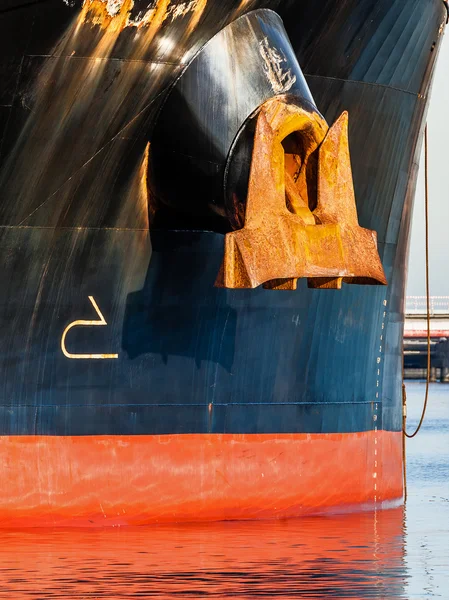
[134, 480]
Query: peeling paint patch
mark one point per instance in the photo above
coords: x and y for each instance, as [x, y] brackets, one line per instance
[143, 18]
[112, 7]
[181, 10]
[281, 80]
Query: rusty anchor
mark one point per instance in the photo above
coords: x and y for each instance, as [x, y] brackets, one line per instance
[301, 218]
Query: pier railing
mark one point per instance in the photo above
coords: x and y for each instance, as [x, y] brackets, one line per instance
[415, 334]
[417, 305]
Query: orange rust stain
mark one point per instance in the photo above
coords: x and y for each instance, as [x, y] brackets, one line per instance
[143, 195]
[198, 10]
[119, 480]
[158, 16]
[286, 233]
[244, 6]
[96, 13]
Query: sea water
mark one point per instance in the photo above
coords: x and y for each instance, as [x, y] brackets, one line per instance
[397, 553]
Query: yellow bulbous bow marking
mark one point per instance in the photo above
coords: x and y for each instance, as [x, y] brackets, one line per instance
[84, 323]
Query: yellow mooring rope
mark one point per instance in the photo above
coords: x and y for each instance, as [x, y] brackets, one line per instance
[404, 395]
[426, 398]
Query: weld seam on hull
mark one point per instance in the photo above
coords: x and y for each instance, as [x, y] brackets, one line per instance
[185, 404]
[367, 83]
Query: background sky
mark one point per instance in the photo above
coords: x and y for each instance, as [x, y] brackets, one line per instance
[438, 130]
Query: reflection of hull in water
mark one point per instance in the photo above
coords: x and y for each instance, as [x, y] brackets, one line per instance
[209, 383]
[346, 556]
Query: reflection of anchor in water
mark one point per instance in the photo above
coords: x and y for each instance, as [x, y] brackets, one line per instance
[102, 321]
[287, 233]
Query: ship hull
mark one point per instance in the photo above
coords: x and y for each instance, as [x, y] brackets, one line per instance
[92, 481]
[132, 390]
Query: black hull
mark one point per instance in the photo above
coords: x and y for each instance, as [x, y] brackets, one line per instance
[180, 341]
[191, 358]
